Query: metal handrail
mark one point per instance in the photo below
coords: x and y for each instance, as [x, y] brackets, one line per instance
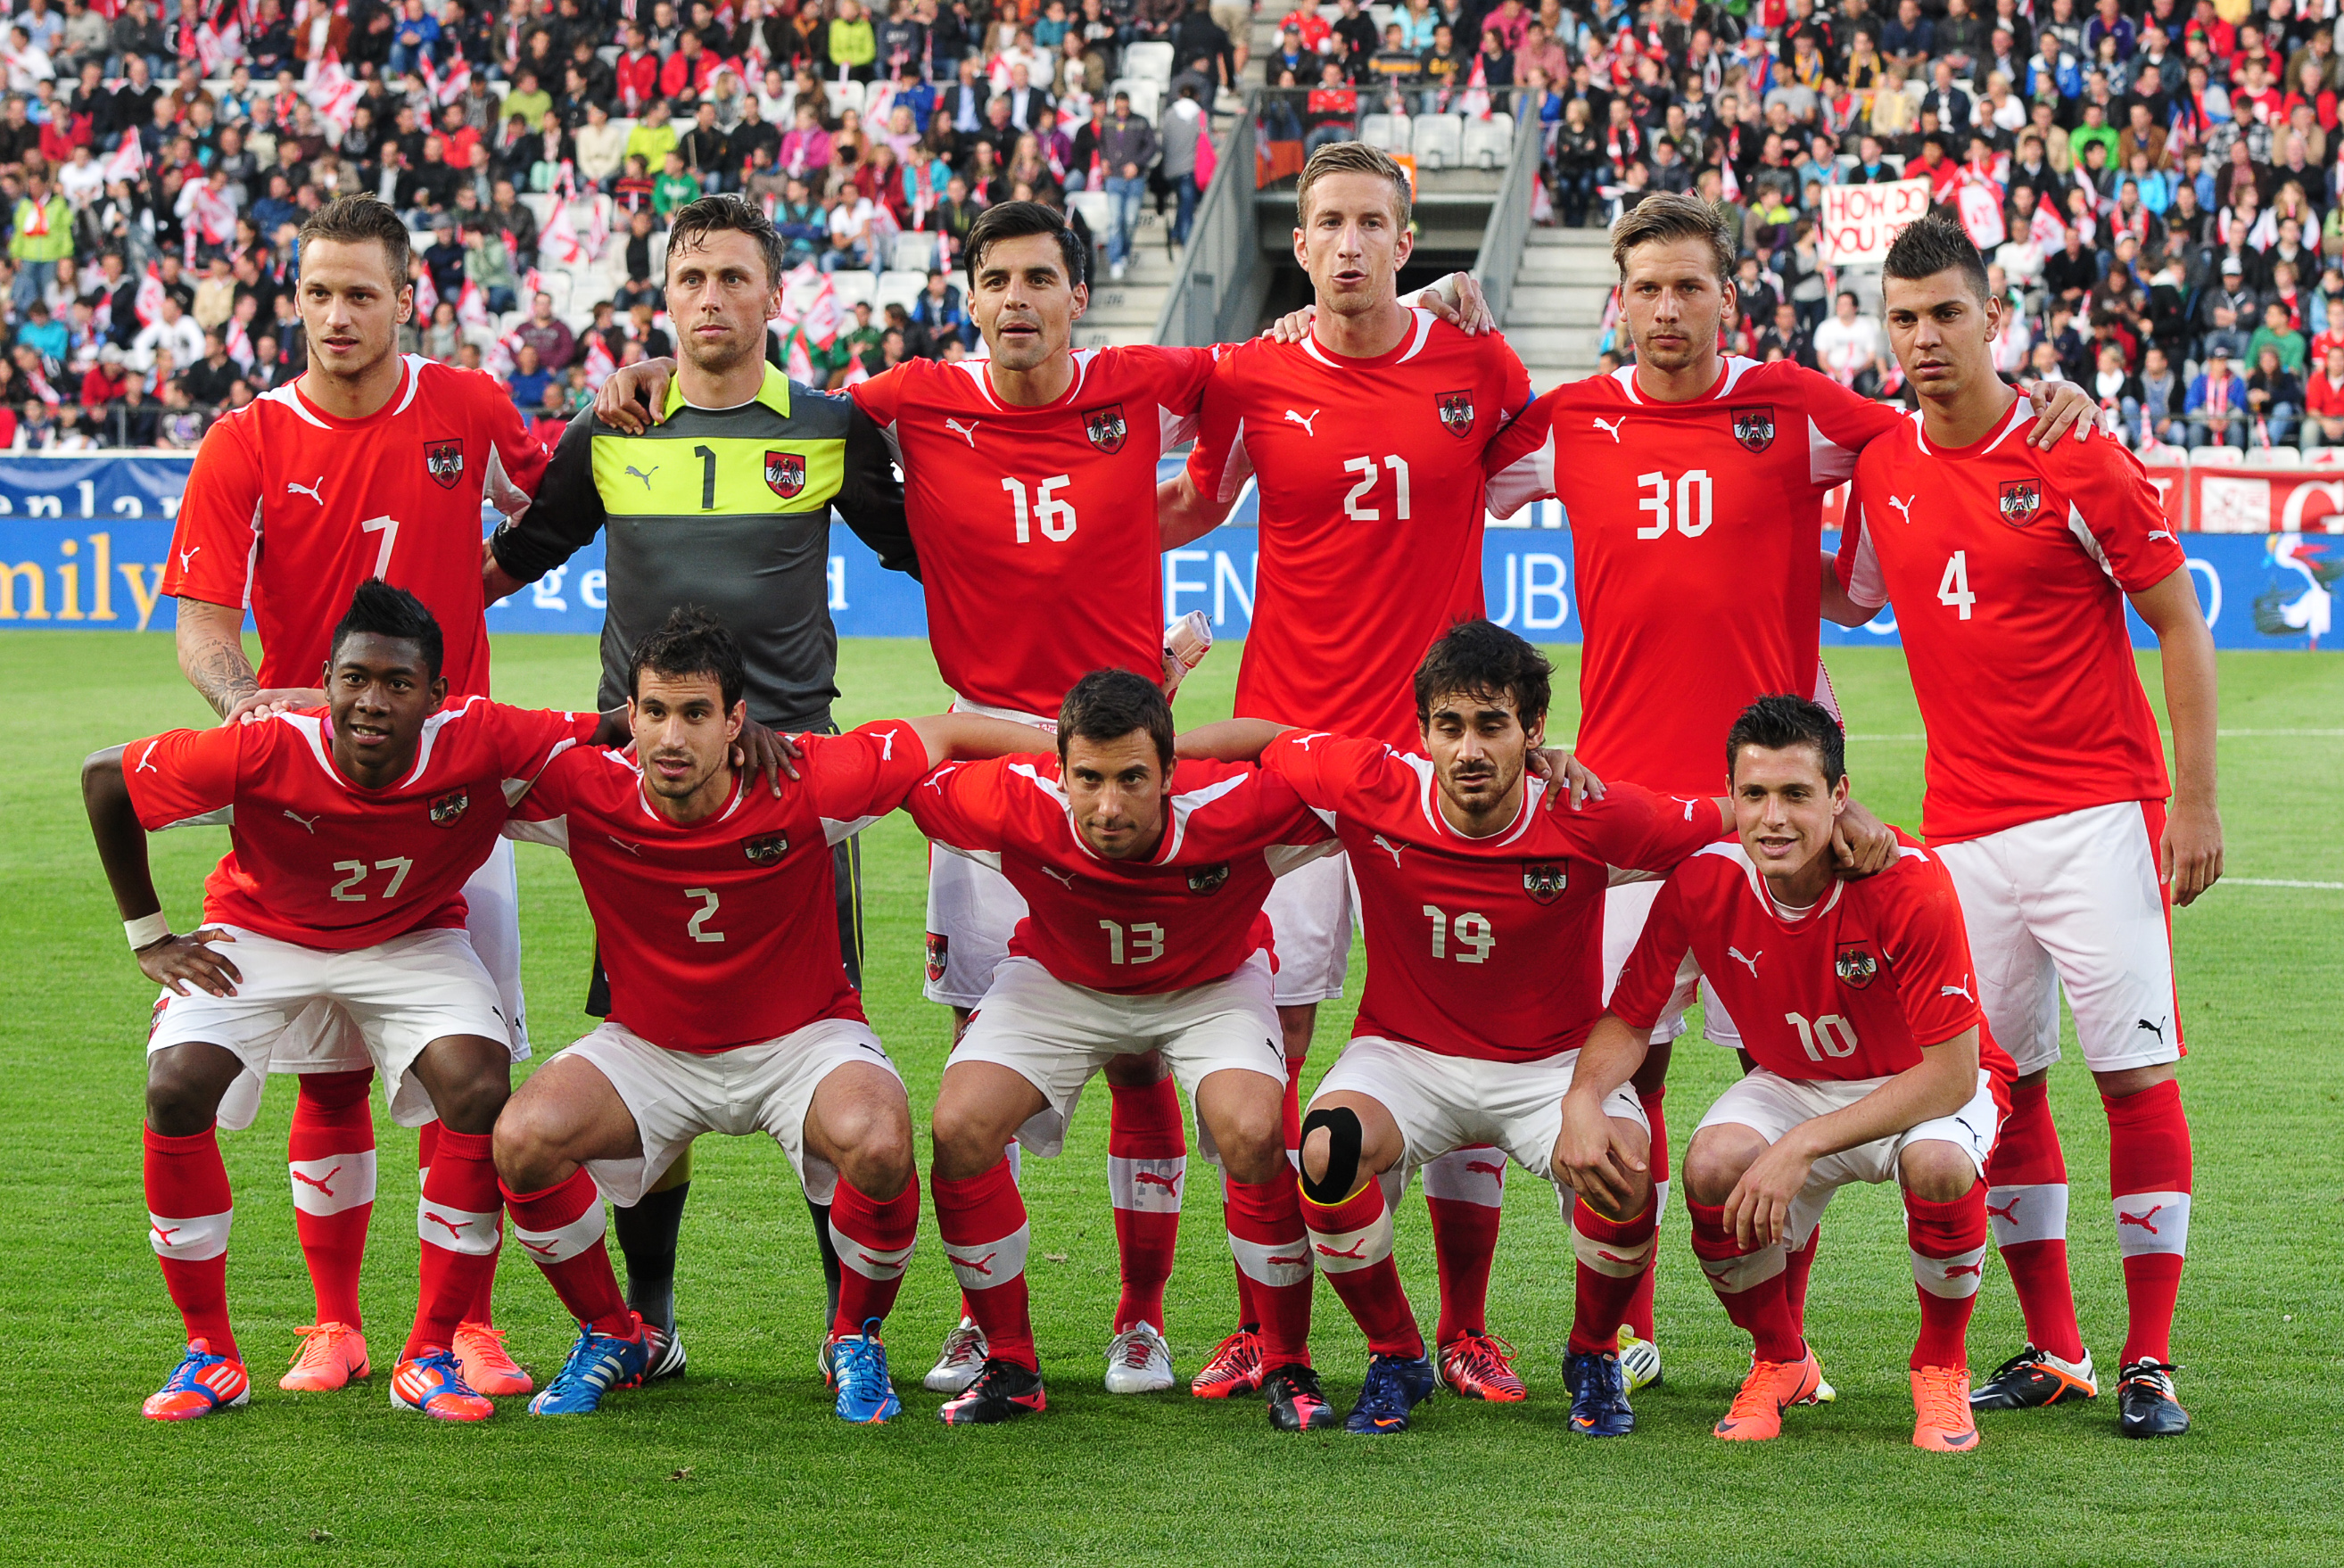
[1507, 234]
[1215, 291]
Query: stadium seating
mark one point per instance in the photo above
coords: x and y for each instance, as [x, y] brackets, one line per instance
[1488, 144]
[1438, 141]
[1147, 62]
[1390, 132]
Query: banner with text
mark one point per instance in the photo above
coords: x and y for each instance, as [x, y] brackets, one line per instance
[1861, 221]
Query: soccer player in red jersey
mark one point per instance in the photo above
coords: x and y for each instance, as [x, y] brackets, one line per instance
[372, 464]
[1367, 440]
[1144, 883]
[731, 1006]
[1694, 484]
[354, 831]
[1483, 910]
[1873, 1064]
[2011, 569]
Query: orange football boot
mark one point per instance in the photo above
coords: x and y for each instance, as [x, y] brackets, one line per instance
[201, 1383]
[1941, 1411]
[481, 1351]
[331, 1354]
[1772, 1387]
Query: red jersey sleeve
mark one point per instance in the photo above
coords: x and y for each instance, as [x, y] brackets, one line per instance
[1219, 465]
[183, 773]
[882, 397]
[1857, 565]
[527, 739]
[553, 790]
[1182, 375]
[1840, 425]
[1661, 974]
[1520, 462]
[1928, 949]
[517, 460]
[2125, 528]
[212, 541]
[1636, 829]
[1320, 767]
[861, 775]
[965, 805]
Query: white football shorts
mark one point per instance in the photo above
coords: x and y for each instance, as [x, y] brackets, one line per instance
[972, 909]
[2072, 903]
[1772, 1105]
[1310, 911]
[1444, 1103]
[1626, 906]
[398, 997]
[1056, 1036]
[676, 1096]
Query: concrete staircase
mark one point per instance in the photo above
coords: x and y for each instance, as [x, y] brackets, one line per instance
[1555, 320]
[1125, 312]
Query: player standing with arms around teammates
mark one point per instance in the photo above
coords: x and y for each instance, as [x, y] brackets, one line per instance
[1874, 1065]
[353, 832]
[1368, 439]
[1144, 882]
[725, 502]
[372, 464]
[731, 1009]
[2047, 792]
[1694, 483]
[1483, 907]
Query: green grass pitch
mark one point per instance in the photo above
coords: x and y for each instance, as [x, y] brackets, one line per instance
[743, 1462]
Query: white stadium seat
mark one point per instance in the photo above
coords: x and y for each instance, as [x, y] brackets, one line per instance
[1437, 140]
[2272, 457]
[1390, 132]
[1150, 62]
[1489, 143]
[855, 289]
[2219, 455]
[1146, 96]
[845, 95]
[897, 289]
[913, 252]
[1098, 209]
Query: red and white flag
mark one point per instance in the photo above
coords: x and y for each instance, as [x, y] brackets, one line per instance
[472, 306]
[217, 46]
[128, 161]
[238, 343]
[426, 295]
[599, 364]
[334, 95]
[558, 241]
[150, 300]
[2045, 230]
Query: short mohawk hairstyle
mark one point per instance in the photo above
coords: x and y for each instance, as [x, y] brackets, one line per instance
[378, 610]
[1934, 245]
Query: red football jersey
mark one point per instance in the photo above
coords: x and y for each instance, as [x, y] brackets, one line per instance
[1371, 525]
[1439, 906]
[1189, 913]
[316, 859]
[289, 510]
[1851, 988]
[722, 932]
[1696, 529]
[1036, 527]
[2009, 566]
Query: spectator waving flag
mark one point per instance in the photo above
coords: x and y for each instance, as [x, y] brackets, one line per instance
[238, 343]
[150, 300]
[598, 363]
[2045, 230]
[558, 238]
[426, 295]
[472, 306]
[128, 161]
[334, 95]
[456, 83]
[215, 46]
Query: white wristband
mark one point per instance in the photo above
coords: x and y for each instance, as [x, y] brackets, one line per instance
[147, 930]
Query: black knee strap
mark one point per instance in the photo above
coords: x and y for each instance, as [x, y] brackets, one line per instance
[1343, 1134]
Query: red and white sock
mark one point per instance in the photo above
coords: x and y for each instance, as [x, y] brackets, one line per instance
[331, 1154]
[2026, 1202]
[1353, 1242]
[1462, 1191]
[1798, 1267]
[873, 1242]
[983, 1222]
[481, 1308]
[460, 1221]
[1147, 1171]
[1615, 1257]
[1272, 1249]
[187, 1215]
[1948, 1246]
[563, 1229]
[1749, 1284]
[2149, 1174]
[1639, 1320]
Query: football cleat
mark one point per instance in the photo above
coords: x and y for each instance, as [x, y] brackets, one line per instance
[2033, 1379]
[1395, 1386]
[667, 1357]
[480, 1352]
[201, 1383]
[1295, 1402]
[859, 1372]
[1640, 1360]
[434, 1384]
[331, 1354]
[1479, 1367]
[1001, 1390]
[597, 1364]
[1824, 1393]
[1772, 1387]
[1234, 1368]
[2145, 1404]
[1941, 1421]
[1138, 1362]
[962, 1359]
[1599, 1394]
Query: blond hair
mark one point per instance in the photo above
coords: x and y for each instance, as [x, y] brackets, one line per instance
[1665, 217]
[1352, 158]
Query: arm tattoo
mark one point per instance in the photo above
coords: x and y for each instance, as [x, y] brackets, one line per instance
[222, 673]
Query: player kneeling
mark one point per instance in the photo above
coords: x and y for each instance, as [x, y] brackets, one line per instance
[1144, 885]
[353, 832]
[730, 1010]
[1855, 999]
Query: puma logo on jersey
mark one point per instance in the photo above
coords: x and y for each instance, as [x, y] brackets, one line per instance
[188, 554]
[313, 491]
[2160, 533]
[634, 849]
[1611, 426]
[1293, 417]
[1903, 508]
[1064, 879]
[1747, 960]
[1962, 990]
[1302, 742]
[886, 745]
[639, 474]
[2155, 1030]
[308, 824]
[1391, 848]
[146, 760]
[966, 433]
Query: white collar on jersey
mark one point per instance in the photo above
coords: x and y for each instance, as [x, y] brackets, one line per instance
[1424, 320]
[1175, 832]
[312, 729]
[980, 374]
[2022, 411]
[1736, 367]
[410, 365]
[1533, 792]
